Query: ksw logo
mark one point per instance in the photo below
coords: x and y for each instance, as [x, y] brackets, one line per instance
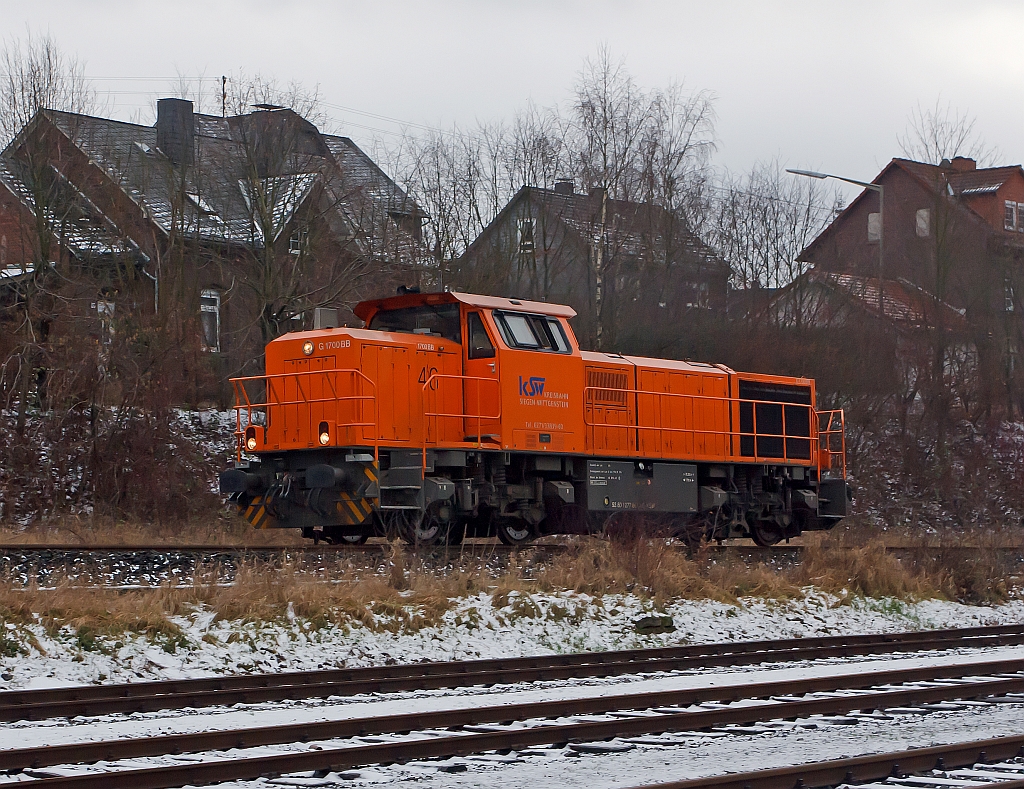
[531, 387]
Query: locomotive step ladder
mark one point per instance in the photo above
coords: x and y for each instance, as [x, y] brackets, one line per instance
[401, 485]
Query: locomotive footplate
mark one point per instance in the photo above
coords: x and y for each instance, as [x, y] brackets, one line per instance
[615, 485]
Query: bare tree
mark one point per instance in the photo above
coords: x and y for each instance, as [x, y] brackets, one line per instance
[943, 132]
[765, 219]
[37, 76]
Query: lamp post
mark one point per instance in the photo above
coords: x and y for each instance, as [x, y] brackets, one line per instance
[881, 220]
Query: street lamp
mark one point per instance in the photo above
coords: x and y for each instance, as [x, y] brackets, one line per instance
[881, 220]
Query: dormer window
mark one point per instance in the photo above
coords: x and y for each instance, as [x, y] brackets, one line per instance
[205, 209]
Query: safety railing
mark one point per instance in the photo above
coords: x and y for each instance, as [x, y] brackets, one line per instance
[749, 451]
[431, 389]
[831, 443]
[276, 401]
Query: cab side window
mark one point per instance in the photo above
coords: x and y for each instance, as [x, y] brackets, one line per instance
[480, 345]
[532, 332]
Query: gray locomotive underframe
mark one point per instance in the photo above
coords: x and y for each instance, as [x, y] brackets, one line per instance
[529, 487]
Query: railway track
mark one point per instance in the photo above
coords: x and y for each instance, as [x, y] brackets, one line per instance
[997, 762]
[470, 547]
[561, 723]
[219, 691]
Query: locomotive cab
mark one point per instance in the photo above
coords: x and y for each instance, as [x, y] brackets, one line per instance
[452, 414]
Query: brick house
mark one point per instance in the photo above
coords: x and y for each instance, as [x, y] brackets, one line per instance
[235, 228]
[956, 232]
[544, 243]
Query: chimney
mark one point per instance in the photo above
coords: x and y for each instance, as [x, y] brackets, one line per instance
[565, 186]
[175, 130]
[962, 164]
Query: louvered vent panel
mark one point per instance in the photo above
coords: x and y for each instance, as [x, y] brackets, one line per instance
[609, 388]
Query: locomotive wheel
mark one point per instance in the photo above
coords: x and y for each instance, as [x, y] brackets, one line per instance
[427, 528]
[766, 533]
[512, 531]
[352, 539]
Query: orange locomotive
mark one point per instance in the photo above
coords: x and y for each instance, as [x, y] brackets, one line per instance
[453, 415]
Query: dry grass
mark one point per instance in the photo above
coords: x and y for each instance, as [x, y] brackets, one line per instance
[398, 592]
[226, 530]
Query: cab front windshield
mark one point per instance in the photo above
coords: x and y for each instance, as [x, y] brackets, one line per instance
[426, 320]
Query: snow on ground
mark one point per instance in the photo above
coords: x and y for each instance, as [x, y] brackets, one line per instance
[695, 758]
[119, 726]
[473, 628]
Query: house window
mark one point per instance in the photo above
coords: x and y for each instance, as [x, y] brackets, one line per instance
[526, 245]
[1007, 295]
[1020, 217]
[696, 293]
[209, 315]
[924, 222]
[874, 226]
[1009, 215]
[297, 242]
[105, 312]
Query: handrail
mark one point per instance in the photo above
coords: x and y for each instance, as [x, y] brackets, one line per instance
[825, 437]
[813, 432]
[327, 376]
[461, 415]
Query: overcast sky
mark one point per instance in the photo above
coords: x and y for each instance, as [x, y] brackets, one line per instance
[822, 85]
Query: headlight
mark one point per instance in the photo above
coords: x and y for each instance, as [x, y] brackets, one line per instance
[250, 443]
[325, 438]
[307, 347]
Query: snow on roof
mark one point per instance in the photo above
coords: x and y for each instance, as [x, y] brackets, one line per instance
[216, 209]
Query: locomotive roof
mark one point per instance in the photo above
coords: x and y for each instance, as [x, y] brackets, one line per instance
[366, 309]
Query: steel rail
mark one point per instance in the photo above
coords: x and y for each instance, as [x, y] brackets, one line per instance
[335, 759]
[860, 769]
[87, 752]
[175, 694]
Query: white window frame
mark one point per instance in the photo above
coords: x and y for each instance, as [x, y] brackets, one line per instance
[527, 236]
[1010, 220]
[874, 227]
[210, 293]
[924, 222]
[297, 241]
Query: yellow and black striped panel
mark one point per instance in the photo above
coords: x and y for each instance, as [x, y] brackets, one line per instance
[353, 510]
[256, 514]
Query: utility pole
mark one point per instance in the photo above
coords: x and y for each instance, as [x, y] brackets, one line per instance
[223, 97]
